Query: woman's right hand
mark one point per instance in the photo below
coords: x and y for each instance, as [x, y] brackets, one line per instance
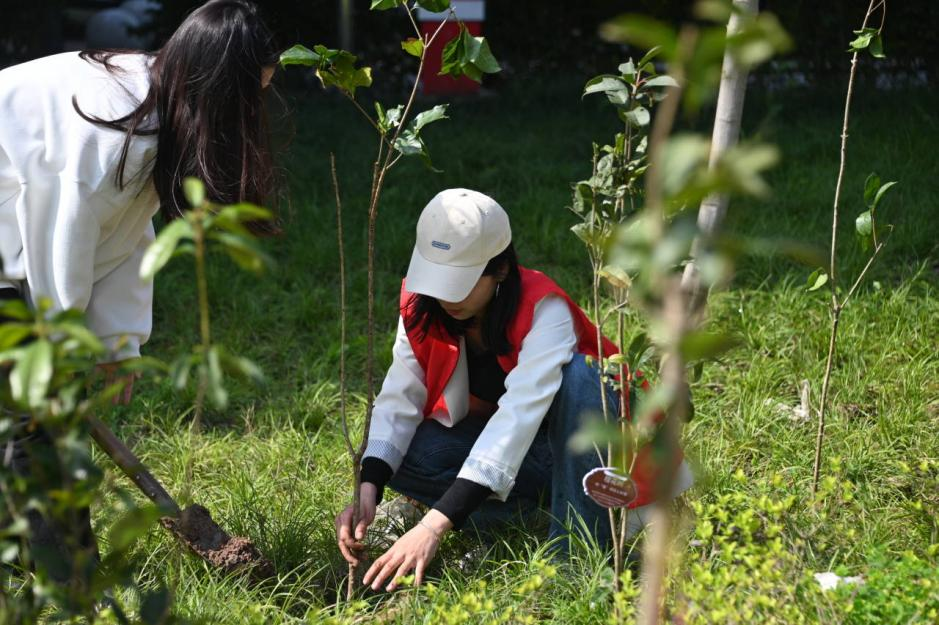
[349, 541]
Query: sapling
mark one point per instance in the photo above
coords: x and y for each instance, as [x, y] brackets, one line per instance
[870, 39]
[651, 247]
[399, 135]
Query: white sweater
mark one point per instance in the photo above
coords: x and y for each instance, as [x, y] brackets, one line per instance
[67, 232]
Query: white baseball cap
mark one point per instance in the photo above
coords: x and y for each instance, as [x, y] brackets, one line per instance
[458, 233]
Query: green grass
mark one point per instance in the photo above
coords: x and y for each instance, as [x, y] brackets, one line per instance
[273, 465]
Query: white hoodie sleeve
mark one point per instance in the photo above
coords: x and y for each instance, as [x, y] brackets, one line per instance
[529, 391]
[399, 407]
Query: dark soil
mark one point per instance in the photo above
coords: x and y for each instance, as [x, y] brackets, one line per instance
[203, 536]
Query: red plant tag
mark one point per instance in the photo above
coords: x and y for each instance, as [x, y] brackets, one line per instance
[608, 488]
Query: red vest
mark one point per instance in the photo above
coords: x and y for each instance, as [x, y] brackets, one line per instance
[438, 354]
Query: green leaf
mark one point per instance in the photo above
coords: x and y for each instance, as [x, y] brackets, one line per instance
[216, 389]
[863, 40]
[384, 5]
[240, 367]
[615, 276]
[131, 527]
[12, 334]
[661, 81]
[435, 114]
[466, 55]
[194, 191]
[161, 250]
[758, 40]
[605, 84]
[243, 250]
[340, 71]
[30, 377]
[817, 279]
[641, 31]
[434, 6]
[881, 191]
[299, 55]
[15, 309]
[871, 185]
[648, 56]
[637, 117]
[179, 371]
[702, 345]
[81, 334]
[864, 224]
[877, 48]
[413, 46]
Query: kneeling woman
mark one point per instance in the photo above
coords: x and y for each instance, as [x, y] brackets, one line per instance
[488, 382]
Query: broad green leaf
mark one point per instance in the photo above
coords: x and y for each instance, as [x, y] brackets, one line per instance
[194, 191]
[240, 367]
[648, 56]
[864, 224]
[864, 38]
[661, 81]
[871, 185]
[15, 309]
[717, 11]
[466, 55]
[434, 6]
[30, 377]
[299, 55]
[81, 334]
[384, 5]
[132, 526]
[179, 371]
[881, 191]
[758, 40]
[413, 46]
[340, 71]
[11, 334]
[817, 279]
[243, 250]
[615, 276]
[702, 345]
[435, 114]
[605, 84]
[637, 117]
[641, 31]
[216, 389]
[628, 71]
[161, 250]
[877, 48]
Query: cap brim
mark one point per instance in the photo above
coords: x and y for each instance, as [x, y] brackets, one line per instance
[443, 282]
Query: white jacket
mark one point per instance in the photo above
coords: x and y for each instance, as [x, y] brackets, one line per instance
[66, 230]
[529, 390]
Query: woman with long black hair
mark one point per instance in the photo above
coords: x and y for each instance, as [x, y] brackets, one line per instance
[493, 370]
[92, 146]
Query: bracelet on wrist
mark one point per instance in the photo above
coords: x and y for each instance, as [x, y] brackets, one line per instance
[436, 533]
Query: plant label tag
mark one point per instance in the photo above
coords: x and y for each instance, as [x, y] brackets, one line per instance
[608, 488]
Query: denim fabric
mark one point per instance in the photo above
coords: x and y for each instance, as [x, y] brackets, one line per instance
[550, 476]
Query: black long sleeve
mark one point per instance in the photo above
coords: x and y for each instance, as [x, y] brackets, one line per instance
[461, 499]
[378, 472]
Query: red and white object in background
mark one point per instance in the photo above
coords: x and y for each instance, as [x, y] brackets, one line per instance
[470, 12]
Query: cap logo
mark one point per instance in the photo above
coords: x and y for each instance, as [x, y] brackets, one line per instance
[440, 246]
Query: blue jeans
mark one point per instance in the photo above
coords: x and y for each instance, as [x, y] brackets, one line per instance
[550, 472]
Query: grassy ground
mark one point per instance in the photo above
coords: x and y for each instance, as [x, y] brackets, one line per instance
[273, 467]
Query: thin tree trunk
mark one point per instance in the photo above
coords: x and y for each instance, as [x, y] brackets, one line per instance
[725, 135]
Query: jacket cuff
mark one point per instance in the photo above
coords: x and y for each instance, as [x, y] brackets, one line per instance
[384, 450]
[488, 474]
[118, 348]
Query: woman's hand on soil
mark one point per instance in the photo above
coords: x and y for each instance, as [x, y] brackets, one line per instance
[350, 542]
[411, 552]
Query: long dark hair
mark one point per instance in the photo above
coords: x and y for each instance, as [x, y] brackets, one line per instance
[211, 123]
[428, 313]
